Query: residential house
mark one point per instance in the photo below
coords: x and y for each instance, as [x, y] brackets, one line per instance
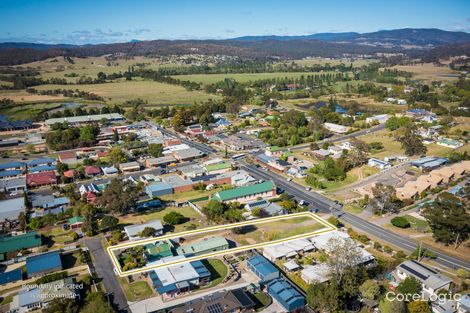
[247, 193]
[218, 168]
[41, 179]
[10, 244]
[432, 281]
[373, 162]
[68, 157]
[172, 280]
[76, 222]
[109, 170]
[92, 171]
[275, 151]
[13, 185]
[318, 273]
[129, 167]
[39, 297]
[463, 305]
[133, 231]
[178, 183]
[202, 247]
[335, 128]
[42, 264]
[11, 276]
[288, 249]
[158, 250]
[160, 162]
[381, 119]
[192, 171]
[268, 208]
[221, 302]
[321, 154]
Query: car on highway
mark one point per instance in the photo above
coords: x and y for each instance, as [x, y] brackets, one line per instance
[289, 179]
[303, 203]
[308, 188]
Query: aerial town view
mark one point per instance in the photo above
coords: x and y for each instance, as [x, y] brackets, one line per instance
[245, 156]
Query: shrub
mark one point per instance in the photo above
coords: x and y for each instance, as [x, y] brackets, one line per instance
[400, 221]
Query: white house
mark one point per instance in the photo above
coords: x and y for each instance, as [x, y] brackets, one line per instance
[381, 118]
[340, 129]
[133, 231]
[432, 281]
[373, 162]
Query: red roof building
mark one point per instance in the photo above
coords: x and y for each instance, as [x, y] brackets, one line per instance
[102, 154]
[92, 198]
[92, 170]
[69, 173]
[41, 179]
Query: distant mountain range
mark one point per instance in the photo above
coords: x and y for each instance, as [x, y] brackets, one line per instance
[407, 40]
[405, 36]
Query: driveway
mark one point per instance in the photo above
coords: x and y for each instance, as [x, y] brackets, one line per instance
[104, 269]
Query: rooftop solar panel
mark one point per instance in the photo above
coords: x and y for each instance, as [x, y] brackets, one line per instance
[414, 272]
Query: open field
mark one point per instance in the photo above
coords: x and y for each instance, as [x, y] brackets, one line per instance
[322, 61]
[429, 72]
[135, 291]
[28, 111]
[256, 233]
[24, 96]
[243, 78]
[153, 92]
[192, 216]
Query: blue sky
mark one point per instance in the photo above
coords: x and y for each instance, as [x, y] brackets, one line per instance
[103, 21]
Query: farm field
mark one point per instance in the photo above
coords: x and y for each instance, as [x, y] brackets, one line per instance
[242, 78]
[153, 92]
[428, 72]
[322, 61]
[24, 96]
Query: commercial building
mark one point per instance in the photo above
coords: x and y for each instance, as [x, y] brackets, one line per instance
[286, 295]
[207, 245]
[85, 119]
[218, 168]
[318, 273]
[133, 231]
[188, 154]
[178, 183]
[11, 276]
[10, 166]
[160, 162]
[382, 118]
[158, 189]
[13, 185]
[44, 263]
[429, 163]
[247, 193]
[262, 268]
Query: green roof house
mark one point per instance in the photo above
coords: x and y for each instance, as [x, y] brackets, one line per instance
[204, 246]
[20, 242]
[249, 193]
[76, 222]
[275, 151]
[154, 252]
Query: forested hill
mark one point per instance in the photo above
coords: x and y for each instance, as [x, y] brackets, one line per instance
[412, 41]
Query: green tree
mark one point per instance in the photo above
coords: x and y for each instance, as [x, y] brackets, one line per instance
[400, 221]
[449, 219]
[395, 306]
[419, 307]
[409, 286]
[325, 297]
[155, 150]
[108, 222]
[411, 142]
[147, 232]
[214, 210]
[22, 223]
[119, 197]
[61, 305]
[370, 289]
[173, 218]
[96, 303]
[117, 156]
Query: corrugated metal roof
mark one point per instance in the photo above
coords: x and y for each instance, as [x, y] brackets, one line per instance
[244, 191]
[43, 262]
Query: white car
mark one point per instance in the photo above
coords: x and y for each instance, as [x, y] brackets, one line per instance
[289, 179]
[308, 188]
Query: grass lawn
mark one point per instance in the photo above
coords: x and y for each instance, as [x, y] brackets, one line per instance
[71, 260]
[428, 71]
[262, 300]
[353, 208]
[7, 299]
[218, 271]
[58, 235]
[135, 291]
[189, 195]
[153, 92]
[418, 224]
[188, 212]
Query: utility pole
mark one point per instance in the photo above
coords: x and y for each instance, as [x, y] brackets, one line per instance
[419, 250]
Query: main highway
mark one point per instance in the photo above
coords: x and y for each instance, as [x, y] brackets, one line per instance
[324, 204]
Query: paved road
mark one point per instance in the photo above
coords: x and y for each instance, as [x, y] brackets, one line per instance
[104, 269]
[324, 204]
[341, 138]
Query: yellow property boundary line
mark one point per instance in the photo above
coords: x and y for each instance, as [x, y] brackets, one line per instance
[113, 257]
